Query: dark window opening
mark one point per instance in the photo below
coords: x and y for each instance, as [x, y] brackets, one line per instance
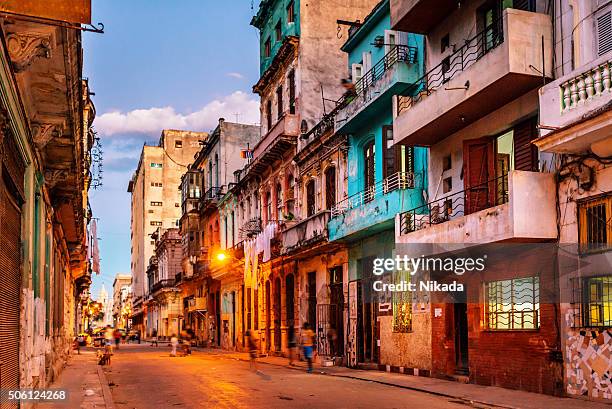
[310, 198]
[330, 187]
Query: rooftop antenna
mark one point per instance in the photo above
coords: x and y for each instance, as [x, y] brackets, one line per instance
[236, 114]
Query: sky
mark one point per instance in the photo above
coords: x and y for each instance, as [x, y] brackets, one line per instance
[161, 64]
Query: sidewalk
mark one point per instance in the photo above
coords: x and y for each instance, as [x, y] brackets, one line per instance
[85, 382]
[468, 393]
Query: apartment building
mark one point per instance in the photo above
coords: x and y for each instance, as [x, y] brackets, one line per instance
[156, 202]
[576, 128]
[121, 291]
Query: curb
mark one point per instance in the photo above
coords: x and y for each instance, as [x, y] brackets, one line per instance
[106, 392]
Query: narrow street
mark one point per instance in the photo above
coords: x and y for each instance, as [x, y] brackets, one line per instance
[142, 376]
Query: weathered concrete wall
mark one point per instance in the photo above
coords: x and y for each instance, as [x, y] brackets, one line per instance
[409, 349]
[322, 64]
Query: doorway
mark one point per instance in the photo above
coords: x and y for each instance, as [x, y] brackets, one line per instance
[233, 318]
[290, 299]
[312, 300]
[461, 338]
[277, 314]
[268, 315]
[337, 310]
[218, 316]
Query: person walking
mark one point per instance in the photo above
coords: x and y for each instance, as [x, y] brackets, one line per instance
[154, 337]
[308, 344]
[292, 342]
[252, 345]
[117, 336]
[174, 343]
[108, 339]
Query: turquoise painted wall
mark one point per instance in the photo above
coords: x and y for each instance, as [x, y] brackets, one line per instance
[378, 215]
[376, 245]
[274, 11]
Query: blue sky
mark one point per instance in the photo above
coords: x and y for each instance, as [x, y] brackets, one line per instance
[161, 64]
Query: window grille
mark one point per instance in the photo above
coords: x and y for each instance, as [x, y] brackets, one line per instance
[402, 304]
[513, 304]
[595, 224]
[591, 301]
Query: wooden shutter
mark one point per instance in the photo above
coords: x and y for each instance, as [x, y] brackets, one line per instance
[525, 153]
[389, 151]
[330, 187]
[604, 32]
[370, 166]
[479, 174]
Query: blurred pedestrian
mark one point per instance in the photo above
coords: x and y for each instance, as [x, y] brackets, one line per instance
[108, 338]
[252, 345]
[308, 344]
[332, 339]
[174, 343]
[154, 337]
[292, 342]
[117, 336]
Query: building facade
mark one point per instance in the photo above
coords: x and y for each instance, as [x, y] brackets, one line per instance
[122, 291]
[45, 143]
[156, 203]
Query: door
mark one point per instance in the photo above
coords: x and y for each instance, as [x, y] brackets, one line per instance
[461, 338]
[479, 174]
[369, 177]
[526, 153]
[289, 299]
[10, 284]
[233, 318]
[218, 316]
[277, 314]
[367, 326]
[268, 316]
[312, 300]
[336, 311]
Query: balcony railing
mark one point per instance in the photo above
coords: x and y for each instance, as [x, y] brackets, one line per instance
[398, 53]
[165, 283]
[586, 86]
[214, 193]
[478, 197]
[473, 50]
[400, 180]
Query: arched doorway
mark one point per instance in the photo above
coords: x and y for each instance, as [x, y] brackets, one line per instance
[268, 316]
[277, 314]
[290, 299]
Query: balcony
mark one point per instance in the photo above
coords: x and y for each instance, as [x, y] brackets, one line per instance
[373, 210]
[211, 197]
[574, 111]
[162, 284]
[419, 16]
[519, 206]
[278, 141]
[305, 232]
[197, 304]
[495, 67]
[375, 89]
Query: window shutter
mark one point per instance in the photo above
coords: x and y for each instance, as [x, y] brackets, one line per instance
[604, 33]
[525, 153]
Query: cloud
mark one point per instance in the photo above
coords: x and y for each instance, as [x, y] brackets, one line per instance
[150, 121]
[236, 75]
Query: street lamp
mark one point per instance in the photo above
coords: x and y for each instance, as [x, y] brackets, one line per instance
[221, 256]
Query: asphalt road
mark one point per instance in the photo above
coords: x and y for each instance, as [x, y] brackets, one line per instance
[145, 377]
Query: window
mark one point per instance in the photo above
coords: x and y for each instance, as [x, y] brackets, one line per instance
[278, 31]
[447, 185]
[592, 301]
[279, 101]
[368, 170]
[310, 198]
[291, 81]
[604, 32]
[402, 304]
[595, 224]
[154, 223]
[279, 201]
[267, 48]
[447, 163]
[330, 187]
[156, 165]
[513, 304]
[446, 69]
[291, 12]
[178, 144]
[256, 310]
[249, 308]
[151, 211]
[444, 43]
[269, 115]
[156, 204]
[268, 198]
[152, 242]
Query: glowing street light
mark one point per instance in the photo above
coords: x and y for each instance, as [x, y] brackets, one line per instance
[221, 256]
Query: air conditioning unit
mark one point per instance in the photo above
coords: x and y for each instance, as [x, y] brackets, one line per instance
[379, 41]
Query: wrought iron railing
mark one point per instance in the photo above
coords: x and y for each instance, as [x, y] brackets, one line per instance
[475, 198]
[399, 180]
[165, 283]
[214, 193]
[397, 53]
[473, 50]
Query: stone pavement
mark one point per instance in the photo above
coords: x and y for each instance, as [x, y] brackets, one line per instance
[85, 383]
[469, 393]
